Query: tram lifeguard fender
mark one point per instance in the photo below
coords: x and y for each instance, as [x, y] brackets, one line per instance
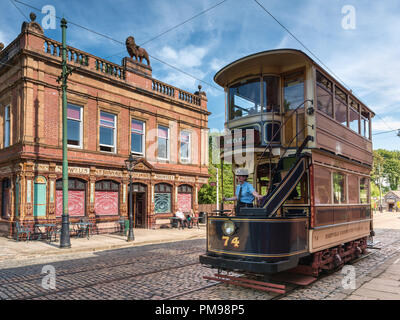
[272, 202]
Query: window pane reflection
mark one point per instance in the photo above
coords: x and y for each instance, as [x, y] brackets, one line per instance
[271, 94]
[294, 91]
[353, 120]
[339, 193]
[324, 99]
[245, 99]
[341, 112]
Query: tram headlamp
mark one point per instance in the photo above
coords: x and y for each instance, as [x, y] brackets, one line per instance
[228, 228]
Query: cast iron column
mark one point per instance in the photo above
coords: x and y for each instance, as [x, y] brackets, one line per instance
[64, 237]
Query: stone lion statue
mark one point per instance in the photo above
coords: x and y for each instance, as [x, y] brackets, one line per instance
[135, 51]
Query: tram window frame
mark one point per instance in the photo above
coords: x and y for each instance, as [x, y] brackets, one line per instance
[253, 110]
[265, 83]
[365, 124]
[299, 195]
[343, 193]
[323, 185]
[364, 199]
[324, 84]
[353, 189]
[354, 107]
[290, 77]
[340, 102]
[325, 108]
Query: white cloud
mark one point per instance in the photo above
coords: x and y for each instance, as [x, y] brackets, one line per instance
[3, 38]
[188, 57]
[387, 123]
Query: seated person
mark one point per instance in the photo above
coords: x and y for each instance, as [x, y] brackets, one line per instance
[189, 219]
[182, 220]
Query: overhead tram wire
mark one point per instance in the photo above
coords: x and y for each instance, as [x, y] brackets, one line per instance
[375, 134]
[301, 43]
[13, 66]
[20, 11]
[384, 122]
[314, 55]
[172, 28]
[122, 43]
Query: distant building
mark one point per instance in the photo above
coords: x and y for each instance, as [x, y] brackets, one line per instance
[113, 110]
[392, 201]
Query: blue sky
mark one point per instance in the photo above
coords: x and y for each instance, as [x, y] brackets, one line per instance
[365, 58]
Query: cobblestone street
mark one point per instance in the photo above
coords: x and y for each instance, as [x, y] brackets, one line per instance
[172, 271]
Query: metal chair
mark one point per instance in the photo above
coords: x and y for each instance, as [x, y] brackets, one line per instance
[55, 232]
[84, 229]
[20, 229]
[122, 225]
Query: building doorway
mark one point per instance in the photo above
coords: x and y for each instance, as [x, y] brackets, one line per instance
[139, 196]
[6, 199]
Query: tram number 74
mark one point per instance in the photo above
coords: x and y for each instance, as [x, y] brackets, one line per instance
[235, 241]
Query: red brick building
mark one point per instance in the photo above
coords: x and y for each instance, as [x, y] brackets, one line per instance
[112, 110]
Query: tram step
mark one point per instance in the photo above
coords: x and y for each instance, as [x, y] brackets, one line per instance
[294, 278]
[248, 283]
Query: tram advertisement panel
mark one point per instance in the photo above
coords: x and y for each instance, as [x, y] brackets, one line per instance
[257, 238]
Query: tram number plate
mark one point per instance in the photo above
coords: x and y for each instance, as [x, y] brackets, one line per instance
[233, 241]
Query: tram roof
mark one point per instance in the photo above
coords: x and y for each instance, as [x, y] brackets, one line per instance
[257, 63]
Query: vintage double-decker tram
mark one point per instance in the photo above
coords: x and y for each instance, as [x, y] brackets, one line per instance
[311, 156]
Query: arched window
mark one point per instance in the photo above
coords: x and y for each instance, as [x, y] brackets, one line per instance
[107, 185]
[106, 198]
[39, 197]
[138, 187]
[6, 199]
[162, 198]
[76, 197]
[185, 197]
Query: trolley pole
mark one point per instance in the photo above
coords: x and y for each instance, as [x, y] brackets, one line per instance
[64, 237]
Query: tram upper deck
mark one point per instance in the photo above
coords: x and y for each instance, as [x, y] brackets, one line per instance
[285, 87]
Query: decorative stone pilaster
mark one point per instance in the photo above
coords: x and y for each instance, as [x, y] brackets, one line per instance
[92, 192]
[124, 194]
[29, 176]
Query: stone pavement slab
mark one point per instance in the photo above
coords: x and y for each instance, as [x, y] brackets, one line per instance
[384, 285]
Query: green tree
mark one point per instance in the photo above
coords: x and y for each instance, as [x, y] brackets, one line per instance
[207, 193]
[389, 164]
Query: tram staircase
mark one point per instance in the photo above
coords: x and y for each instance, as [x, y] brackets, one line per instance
[281, 188]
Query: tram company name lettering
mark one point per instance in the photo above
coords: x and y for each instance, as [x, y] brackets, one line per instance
[343, 232]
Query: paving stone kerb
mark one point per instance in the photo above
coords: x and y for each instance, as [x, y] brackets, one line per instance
[11, 249]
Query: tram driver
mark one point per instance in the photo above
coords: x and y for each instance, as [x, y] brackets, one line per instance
[245, 192]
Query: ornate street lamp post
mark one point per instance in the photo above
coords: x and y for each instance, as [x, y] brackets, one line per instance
[130, 166]
[64, 237]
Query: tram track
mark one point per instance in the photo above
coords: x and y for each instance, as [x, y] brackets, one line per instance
[173, 271]
[116, 279]
[71, 271]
